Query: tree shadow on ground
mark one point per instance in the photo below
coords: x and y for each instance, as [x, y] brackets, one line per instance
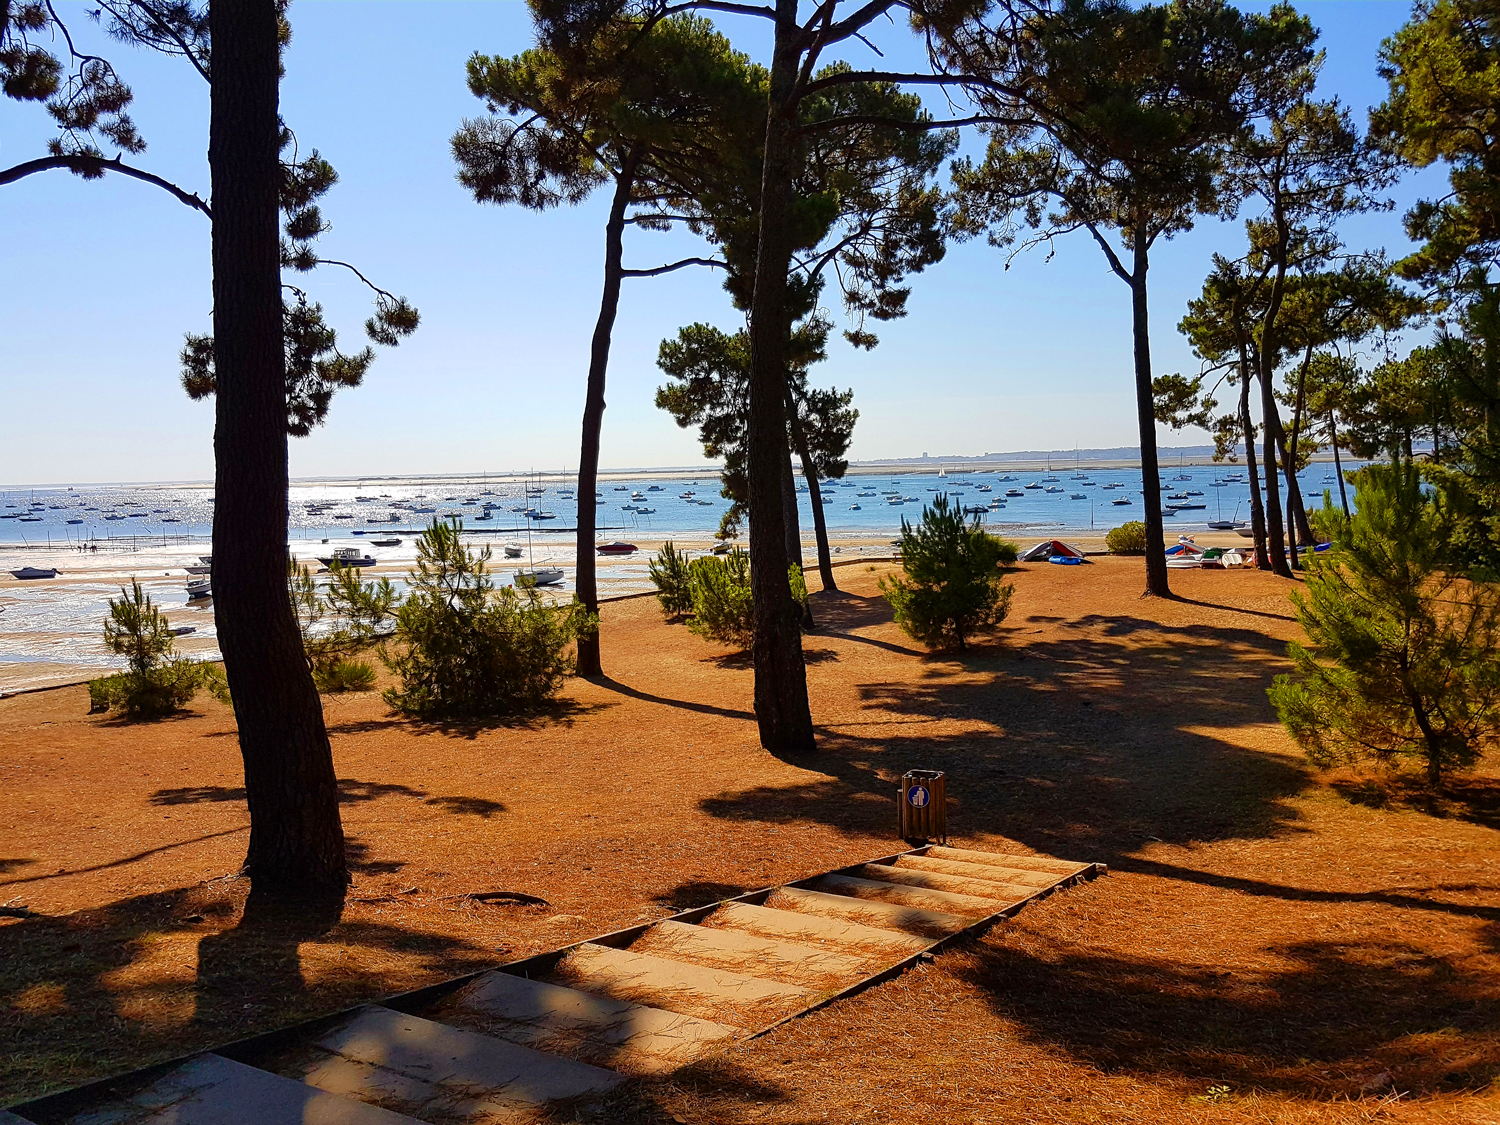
[1331, 1020]
[1059, 743]
[351, 791]
[150, 977]
[1468, 798]
[684, 704]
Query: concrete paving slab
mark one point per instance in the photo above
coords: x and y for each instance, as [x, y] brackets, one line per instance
[996, 859]
[582, 1025]
[210, 1090]
[908, 896]
[674, 985]
[991, 888]
[870, 912]
[1016, 875]
[773, 957]
[812, 928]
[464, 1066]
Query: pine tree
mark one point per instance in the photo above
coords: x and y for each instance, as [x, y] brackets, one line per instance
[1401, 660]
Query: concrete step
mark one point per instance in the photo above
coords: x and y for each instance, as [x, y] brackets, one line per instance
[1023, 862]
[908, 896]
[832, 933]
[431, 1070]
[868, 912]
[991, 888]
[211, 1090]
[1015, 875]
[581, 1025]
[792, 961]
[694, 990]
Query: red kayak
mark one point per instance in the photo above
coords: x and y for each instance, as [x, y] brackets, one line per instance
[617, 548]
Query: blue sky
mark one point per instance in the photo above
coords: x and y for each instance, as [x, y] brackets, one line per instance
[99, 281]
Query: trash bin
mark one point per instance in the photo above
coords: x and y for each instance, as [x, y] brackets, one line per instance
[922, 807]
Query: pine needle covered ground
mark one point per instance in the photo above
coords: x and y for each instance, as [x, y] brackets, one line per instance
[1271, 944]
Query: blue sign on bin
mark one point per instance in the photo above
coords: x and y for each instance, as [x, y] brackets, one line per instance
[918, 797]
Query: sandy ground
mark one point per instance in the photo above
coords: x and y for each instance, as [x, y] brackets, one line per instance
[1271, 945]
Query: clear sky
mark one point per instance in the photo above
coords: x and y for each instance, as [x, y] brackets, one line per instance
[99, 281]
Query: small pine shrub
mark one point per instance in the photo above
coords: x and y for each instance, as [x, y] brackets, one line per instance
[1127, 539]
[952, 585]
[669, 573]
[344, 675]
[465, 649]
[1402, 660]
[155, 683]
[722, 606]
[1328, 521]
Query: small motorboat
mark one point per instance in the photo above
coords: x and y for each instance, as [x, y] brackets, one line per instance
[27, 573]
[539, 576]
[385, 542]
[346, 556]
[200, 588]
[618, 547]
[1121, 502]
[722, 548]
[512, 550]
[199, 569]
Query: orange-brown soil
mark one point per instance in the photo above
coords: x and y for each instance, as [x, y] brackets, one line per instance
[1271, 944]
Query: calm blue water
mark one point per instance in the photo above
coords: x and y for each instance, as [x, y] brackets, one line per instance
[690, 506]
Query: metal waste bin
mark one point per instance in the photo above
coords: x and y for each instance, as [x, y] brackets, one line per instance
[922, 807]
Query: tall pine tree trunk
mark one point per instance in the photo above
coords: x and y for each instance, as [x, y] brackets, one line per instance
[587, 580]
[781, 705]
[296, 840]
[1156, 548]
[814, 493]
[1338, 468]
[792, 523]
[1276, 538]
[1257, 511]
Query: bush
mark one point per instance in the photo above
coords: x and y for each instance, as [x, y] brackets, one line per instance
[155, 683]
[1328, 521]
[1127, 539]
[952, 586]
[669, 573]
[346, 617]
[722, 606]
[466, 649]
[1401, 660]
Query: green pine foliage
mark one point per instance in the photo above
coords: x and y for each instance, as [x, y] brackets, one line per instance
[722, 606]
[952, 587]
[155, 683]
[1401, 661]
[346, 617]
[669, 574]
[1328, 521]
[466, 649]
[1127, 539]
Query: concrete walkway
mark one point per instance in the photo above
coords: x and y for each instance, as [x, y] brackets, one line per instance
[574, 1022]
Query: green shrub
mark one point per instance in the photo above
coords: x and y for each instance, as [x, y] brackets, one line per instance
[722, 606]
[1127, 539]
[155, 683]
[346, 617]
[344, 675]
[1327, 521]
[952, 585]
[1402, 659]
[669, 573]
[465, 649]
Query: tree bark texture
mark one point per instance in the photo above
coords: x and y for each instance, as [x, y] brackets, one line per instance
[781, 705]
[1271, 422]
[815, 497]
[1156, 548]
[586, 580]
[1257, 511]
[296, 840]
[792, 523]
[1338, 468]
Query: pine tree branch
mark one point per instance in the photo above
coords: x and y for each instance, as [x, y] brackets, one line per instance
[659, 270]
[720, 6]
[356, 273]
[94, 166]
